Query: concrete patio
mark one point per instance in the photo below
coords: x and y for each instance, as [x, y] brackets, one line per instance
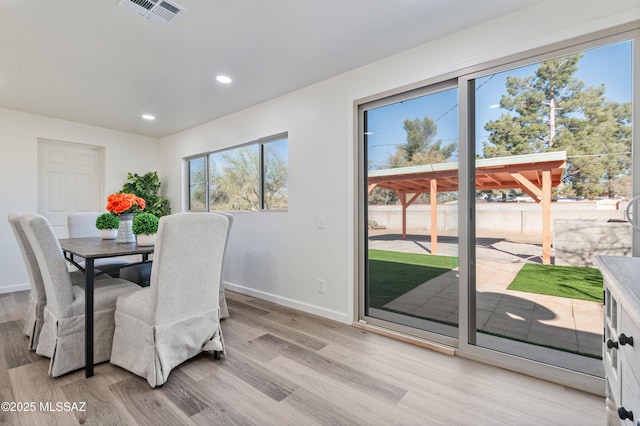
[574, 325]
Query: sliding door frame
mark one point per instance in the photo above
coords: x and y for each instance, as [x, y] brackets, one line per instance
[465, 345]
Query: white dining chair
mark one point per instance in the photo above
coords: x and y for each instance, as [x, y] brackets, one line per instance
[37, 297]
[62, 335]
[178, 315]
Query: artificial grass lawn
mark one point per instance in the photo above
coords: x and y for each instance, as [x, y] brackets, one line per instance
[573, 282]
[392, 274]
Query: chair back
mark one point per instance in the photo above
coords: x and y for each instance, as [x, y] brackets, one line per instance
[226, 243]
[29, 257]
[83, 224]
[53, 267]
[187, 264]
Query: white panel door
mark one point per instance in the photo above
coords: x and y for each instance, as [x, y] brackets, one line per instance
[69, 180]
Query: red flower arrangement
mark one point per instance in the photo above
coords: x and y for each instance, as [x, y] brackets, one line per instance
[124, 203]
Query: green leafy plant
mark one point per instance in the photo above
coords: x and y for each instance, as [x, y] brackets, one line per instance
[107, 221]
[145, 223]
[147, 187]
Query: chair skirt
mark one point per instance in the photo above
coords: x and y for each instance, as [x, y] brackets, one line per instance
[62, 340]
[152, 351]
[34, 320]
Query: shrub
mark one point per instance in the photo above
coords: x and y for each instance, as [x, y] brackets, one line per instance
[147, 187]
[145, 223]
[107, 221]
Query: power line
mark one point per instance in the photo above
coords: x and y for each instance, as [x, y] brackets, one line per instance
[599, 155]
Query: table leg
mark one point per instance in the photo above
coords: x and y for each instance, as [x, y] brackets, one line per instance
[88, 317]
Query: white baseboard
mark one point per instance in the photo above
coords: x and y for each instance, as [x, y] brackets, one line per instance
[14, 288]
[291, 303]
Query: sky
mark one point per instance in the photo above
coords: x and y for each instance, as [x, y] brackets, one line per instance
[610, 65]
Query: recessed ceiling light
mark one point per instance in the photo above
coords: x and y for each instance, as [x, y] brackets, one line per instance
[148, 117]
[223, 79]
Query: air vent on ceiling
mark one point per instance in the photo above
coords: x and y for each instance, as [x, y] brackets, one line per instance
[159, 11]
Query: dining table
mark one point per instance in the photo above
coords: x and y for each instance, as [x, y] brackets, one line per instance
[90, 249]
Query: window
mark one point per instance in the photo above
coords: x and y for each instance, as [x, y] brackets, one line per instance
[251, 177]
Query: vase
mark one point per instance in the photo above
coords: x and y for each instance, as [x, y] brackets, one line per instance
[125, 234]
[109, 234]
[146, 239]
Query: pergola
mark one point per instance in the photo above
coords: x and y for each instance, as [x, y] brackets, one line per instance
[535, 174]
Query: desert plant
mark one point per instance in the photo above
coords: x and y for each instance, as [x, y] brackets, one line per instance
[107, 221]
[147, 187]
[145, 223]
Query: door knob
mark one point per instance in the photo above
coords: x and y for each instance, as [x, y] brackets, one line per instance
[624, 340]
[624, 414]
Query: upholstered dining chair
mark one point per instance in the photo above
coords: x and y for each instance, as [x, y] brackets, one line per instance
[83, 225]
[37, 297]
[140, 273]
[62, 335]
[178, 315]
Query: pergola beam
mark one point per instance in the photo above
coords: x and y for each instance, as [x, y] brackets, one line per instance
[529, 187]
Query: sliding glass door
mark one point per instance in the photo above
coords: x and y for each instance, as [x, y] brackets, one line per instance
[553, 176]
[412, 210]
[485, 198]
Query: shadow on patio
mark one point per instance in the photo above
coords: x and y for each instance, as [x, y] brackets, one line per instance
[558, 322]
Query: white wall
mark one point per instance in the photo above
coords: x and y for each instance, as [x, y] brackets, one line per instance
[19, 133]
[280, 256]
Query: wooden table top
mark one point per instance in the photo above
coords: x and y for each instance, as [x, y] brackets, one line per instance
[95, 248]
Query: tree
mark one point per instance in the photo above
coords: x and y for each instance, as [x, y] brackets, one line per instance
[421, 148]
[276, 180]
[600, 152]
[235, 179]
[197, 190]
[552, 110]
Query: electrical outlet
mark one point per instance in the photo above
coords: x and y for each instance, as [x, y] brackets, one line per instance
[320, 221]
[320, 286]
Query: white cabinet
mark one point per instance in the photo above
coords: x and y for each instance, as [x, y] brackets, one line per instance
[621, 346]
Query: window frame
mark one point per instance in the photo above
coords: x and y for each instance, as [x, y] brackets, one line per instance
[261, 143]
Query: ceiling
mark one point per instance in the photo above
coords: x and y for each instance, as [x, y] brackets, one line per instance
[96, 63]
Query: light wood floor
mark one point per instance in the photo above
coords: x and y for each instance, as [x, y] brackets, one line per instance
[284, 367]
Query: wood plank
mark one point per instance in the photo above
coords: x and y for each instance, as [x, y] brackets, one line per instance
[328, 366]
[358, 403]
[13, 306]
[183, 392]
[31, 383]
[146, 405]
[239, 314]
[321, 410]
[257, 376]
[235, 402]
[99, 404]
[17, 352]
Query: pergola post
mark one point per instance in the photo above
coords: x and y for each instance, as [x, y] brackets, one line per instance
[402, 196]
[433, 197]
[403, 201]
[546, 217]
